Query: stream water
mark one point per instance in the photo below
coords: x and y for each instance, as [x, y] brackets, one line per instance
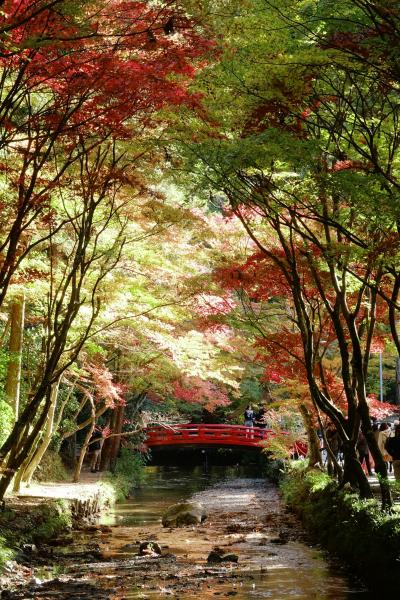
[246, 517]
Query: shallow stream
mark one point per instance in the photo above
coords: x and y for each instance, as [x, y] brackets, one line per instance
[275, 558]
[246, 517]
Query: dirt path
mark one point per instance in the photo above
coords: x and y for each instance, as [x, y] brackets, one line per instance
[86, 487]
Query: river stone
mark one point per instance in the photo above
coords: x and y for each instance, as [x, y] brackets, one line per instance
[230, 558]
[30, 548]
[278, 540]
[149, 548]
[184, 513]
[217, 555]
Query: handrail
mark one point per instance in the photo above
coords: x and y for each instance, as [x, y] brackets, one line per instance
[189, 433]
[212, 434]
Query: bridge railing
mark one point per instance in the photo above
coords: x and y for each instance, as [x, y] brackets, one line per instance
[234, 435]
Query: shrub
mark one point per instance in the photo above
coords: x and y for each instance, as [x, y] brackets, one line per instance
[5, 552]
[357, 530]
[51, 468]
[274, 469]
[6, 420]
[128, 473]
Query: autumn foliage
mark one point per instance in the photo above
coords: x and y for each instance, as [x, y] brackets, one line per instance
[82, 86]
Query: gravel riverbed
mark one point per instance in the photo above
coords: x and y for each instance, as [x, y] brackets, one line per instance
[245, 517]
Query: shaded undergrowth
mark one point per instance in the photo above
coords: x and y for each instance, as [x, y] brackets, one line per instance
[356, 530]
[128, 474]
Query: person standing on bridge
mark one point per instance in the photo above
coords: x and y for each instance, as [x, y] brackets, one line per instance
[259, 419]
[249, 416]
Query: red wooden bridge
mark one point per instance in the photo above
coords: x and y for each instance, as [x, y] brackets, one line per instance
[212, 435]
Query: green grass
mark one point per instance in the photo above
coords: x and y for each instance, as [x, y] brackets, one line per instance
[5, 552]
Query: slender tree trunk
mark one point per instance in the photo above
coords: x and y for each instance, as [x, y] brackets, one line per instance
[13, 379]
[314, 453]
[20, 473]
[105, 461]
[22, 447]
[18, 481]
[38, 455]
[116, 441]
[353, 472]
[397, 380]
[6, 329]
[85, 445]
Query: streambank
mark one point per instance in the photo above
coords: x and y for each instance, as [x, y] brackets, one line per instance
[39, 515]
[246, 518]
[355, 530]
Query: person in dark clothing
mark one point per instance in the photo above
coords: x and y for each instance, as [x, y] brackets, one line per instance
[392, 447]
[363, 452]
[259, 419]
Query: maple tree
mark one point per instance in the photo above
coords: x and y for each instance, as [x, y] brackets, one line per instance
[75, 285]
[79, 86]
[165, 352]
[124, 307]
[306, 155]
[99, 75]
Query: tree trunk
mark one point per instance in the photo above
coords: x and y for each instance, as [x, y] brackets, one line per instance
[13, 379]
[17, 482]
[19, 476]
[314, 453]
[105, 461]
[38, 455]
[398, 380]
[116, 441]
[79, 462]
[22, 447]
[353, 472]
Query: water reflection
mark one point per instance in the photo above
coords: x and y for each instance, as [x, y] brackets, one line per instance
[165, 486]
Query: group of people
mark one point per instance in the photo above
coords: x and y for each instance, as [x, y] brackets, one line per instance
[254, 418]
[388, 441]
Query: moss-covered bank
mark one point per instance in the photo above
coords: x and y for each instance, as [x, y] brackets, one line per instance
[21, 525]
[356, 530]
[48, 518]
[26, 523]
